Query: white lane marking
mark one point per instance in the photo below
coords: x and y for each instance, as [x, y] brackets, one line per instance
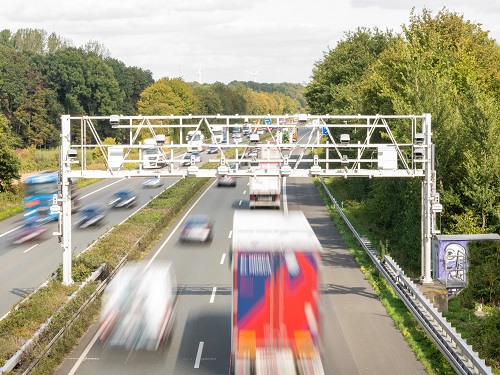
[32, 247]
[176, 227]
[104, 187]
[285, 202]
[198, 355]
[213, 294]
[12, 230]
[244, 192]
[223, 258]
[240, 203]
[230, 234]
[85, 352]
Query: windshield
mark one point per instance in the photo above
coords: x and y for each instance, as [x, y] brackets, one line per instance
[41, 189]
[152, 151]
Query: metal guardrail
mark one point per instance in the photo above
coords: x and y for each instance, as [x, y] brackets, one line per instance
[459, 354]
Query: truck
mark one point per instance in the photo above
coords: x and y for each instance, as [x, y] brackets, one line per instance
[276, 305]
[265, 191]
[217, 133]
[138, 307]
[153, 154]
[195, 140]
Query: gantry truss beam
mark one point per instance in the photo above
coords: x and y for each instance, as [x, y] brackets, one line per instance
[325, 145]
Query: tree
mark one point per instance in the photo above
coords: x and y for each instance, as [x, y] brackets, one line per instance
[9, 167]
[335, 80]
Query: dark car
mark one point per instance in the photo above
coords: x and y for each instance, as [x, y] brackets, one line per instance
[92, 215]
[123, 198]
[197, 228]
[226, 181]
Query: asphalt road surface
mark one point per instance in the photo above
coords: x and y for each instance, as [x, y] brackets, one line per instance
[358, 336]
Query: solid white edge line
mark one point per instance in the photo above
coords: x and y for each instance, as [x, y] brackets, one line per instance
[285, 202]
[198, 355]
[85, 352]
[213, 294]
[223, 258]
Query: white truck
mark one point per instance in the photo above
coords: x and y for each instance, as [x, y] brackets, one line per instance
[217, 133]
[153, 155]
[195, 140]
[265, 191]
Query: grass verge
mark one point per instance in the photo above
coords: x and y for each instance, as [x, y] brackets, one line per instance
[134, 238]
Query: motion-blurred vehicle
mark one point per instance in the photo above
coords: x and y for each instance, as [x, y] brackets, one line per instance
[226, 181]
[276, 325]
[152, 182]
[237, 138]
[92, 215]
[197, 228]
[123, 198]
[212, 150]
[186, 159]
[265, 191]
[138, 307]
[31, 229]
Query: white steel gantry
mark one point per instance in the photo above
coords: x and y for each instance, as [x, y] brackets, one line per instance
[328, 145]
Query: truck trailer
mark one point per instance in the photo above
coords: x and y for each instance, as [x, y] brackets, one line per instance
[276, 319]
[265, 191]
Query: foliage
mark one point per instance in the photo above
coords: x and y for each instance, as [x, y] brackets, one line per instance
[335, 86]
[9, 167]
[442, 65]
[483, 274]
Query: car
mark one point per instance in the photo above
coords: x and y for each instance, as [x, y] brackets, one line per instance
[237, 138]
[92, 215]
[30, 230]
[152, 182]
[197, 228]
[260, 131]
[186, 159]
[123, 198]
[226, 181]
[212, 150]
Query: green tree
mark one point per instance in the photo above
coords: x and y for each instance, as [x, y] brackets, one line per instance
[209, 102]
[9, 167]
[335, 81]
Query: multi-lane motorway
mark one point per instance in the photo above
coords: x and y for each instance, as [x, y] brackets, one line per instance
[358, 336]
[26, 266]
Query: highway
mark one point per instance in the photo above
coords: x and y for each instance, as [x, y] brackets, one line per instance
[26, 266]
[358, 336]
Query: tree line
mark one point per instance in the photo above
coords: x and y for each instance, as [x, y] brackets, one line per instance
[43, 76]
[440, 64]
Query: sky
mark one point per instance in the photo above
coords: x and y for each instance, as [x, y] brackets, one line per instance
[267, 41]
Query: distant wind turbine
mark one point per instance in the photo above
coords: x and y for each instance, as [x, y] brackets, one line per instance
[199, 74]
[254, 74]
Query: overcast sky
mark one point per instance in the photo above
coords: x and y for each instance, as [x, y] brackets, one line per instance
[262, 40]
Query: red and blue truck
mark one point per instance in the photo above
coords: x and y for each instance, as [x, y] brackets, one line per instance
[276, 316]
